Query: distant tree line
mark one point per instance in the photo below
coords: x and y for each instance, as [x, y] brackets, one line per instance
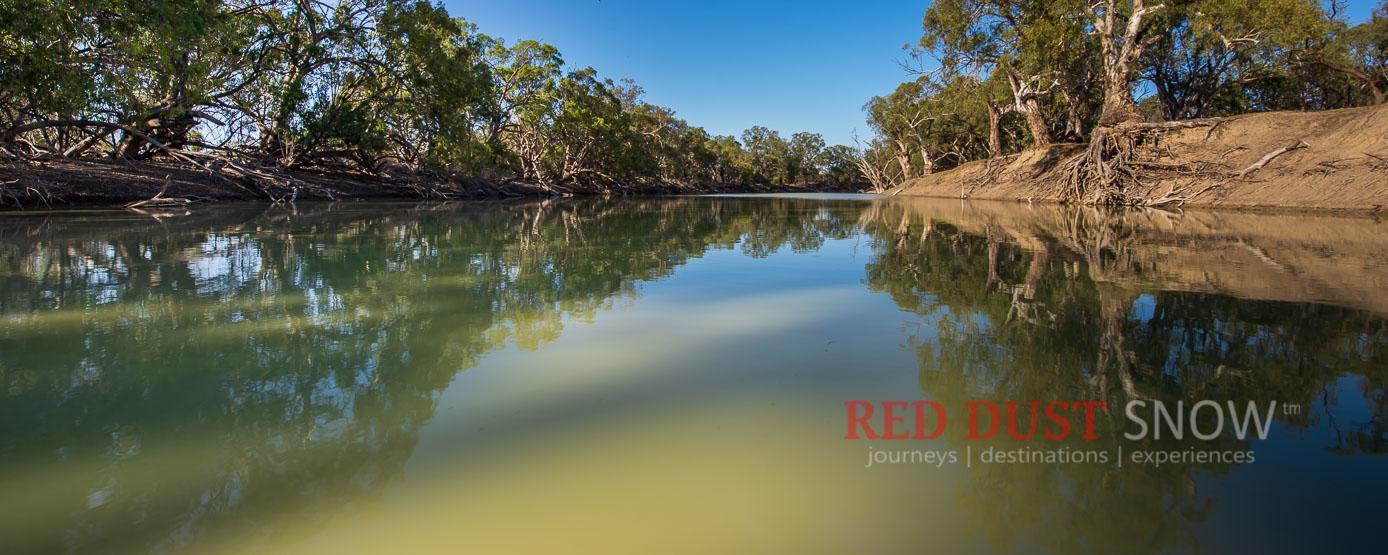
[1015, 74]
[378, 86]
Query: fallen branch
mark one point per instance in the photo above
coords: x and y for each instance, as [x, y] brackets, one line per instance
[159, 199]
[1300, 144]
[1165, 125]
[1210, 132]
[1172, 196]
[1380, 165]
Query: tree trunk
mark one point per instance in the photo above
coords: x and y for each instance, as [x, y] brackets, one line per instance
[1120, 52]
[1024, 100]
[903, 157]
[1380, 94]
[927, 162]
[1036, 124]
[1074, 122]
[1119, 106]
[994, 130]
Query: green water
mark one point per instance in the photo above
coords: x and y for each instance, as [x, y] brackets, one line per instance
[653, 375]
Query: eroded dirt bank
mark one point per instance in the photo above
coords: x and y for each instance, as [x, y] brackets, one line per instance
[56, 183]
[1332, 161]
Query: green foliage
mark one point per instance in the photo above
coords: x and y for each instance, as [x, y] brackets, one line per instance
[839, 164]
[1216, 55]
[355, 85]
[934, 123]
[1359, 55]
[44, 65]
[767, 152]
[803, 154]
[1049, 64]
[148, 64]
[446, 87]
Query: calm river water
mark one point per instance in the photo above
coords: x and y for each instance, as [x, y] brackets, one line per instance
[670, 375]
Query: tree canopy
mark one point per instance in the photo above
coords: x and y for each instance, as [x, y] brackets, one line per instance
[375, 86]
[1004, 75]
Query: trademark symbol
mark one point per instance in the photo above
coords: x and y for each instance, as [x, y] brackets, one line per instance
[1291, 410]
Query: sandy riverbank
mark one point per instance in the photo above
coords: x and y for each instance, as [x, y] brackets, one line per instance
[1323, 161]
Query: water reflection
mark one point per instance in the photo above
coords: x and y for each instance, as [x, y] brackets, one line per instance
[1045, 303]
[236, 377]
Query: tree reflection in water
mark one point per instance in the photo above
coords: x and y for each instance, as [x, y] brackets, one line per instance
[1053, 303]
[169, 381]
[203, 374]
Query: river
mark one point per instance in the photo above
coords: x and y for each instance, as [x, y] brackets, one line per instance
[670, 375]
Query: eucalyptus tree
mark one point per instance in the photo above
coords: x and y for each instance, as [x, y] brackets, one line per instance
[730, 162]
[912, 117]
[1360, 53]
[838, 163]
[931, 119]
[766, 152]
[123, 71]
[668, 148]
[876, 163]
[1212, 51]
[993, 93]
[1368, 48]
[662, 135]
[803, 153]
[965, 125]
[699, 160]
[445, 90]
[168, 62]
[49, 58]
[320, 63]
[1021, 39]
[525, 75]
[1124, 29]
[589, 133]
[894, 118]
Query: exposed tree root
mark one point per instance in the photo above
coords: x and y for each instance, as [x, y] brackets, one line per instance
[1174, 197]
[1121, 163]
[991, 168]
[10, 191]
[1104, 173]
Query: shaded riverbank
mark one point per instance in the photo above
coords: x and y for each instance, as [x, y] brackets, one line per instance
[54, 183]
[1334, 161]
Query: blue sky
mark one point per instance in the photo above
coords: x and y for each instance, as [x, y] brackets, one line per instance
[806, 65]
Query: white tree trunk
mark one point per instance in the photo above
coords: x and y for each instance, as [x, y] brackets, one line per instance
[1024, 93]
[1120, 54]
